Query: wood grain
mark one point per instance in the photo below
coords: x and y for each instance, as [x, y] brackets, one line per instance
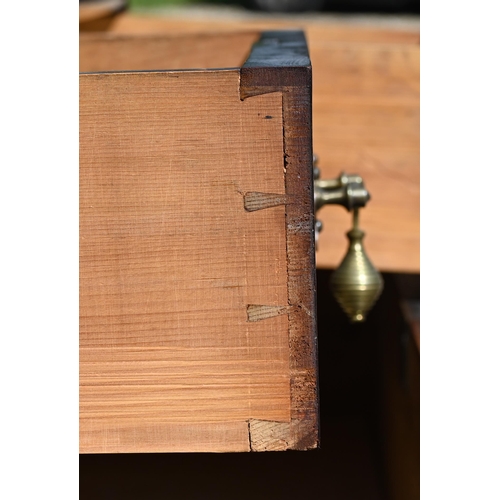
[293, 80]
[260, 201]
[117, 52]
[170, 260]
[325, 29]
[366, 107]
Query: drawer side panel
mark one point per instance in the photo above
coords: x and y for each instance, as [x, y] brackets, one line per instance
[170, 261]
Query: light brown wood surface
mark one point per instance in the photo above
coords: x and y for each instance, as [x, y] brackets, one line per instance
[366, 103]
[117, 52]
[366, 114]
[170, 262]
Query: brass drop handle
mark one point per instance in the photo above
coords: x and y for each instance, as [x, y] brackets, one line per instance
[356, 284]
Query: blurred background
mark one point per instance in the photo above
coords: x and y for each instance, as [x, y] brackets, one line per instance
[388, 6]
[366, 119]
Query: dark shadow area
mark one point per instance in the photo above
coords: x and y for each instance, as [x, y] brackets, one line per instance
[341, 6]
[373, 6]
[356, 401]
[288, 6]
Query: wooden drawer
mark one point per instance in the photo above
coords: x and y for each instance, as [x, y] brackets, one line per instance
[366, 118]
[197, 275]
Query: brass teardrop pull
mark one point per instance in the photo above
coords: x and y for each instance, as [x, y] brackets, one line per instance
[356, 284]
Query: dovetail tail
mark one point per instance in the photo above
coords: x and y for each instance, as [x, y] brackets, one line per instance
[254, 201]
[257, 312]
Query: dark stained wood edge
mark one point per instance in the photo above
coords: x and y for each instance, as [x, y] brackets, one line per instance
[279, 62]
[279, 49]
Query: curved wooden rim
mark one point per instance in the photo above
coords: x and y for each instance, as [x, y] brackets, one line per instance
[99, 9]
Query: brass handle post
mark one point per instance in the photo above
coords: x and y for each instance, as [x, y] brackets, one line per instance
[356, 284]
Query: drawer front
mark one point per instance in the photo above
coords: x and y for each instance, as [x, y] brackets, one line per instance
[197, 305]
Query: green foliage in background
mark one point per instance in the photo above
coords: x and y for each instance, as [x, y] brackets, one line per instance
[144, 4]
[140, 4]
